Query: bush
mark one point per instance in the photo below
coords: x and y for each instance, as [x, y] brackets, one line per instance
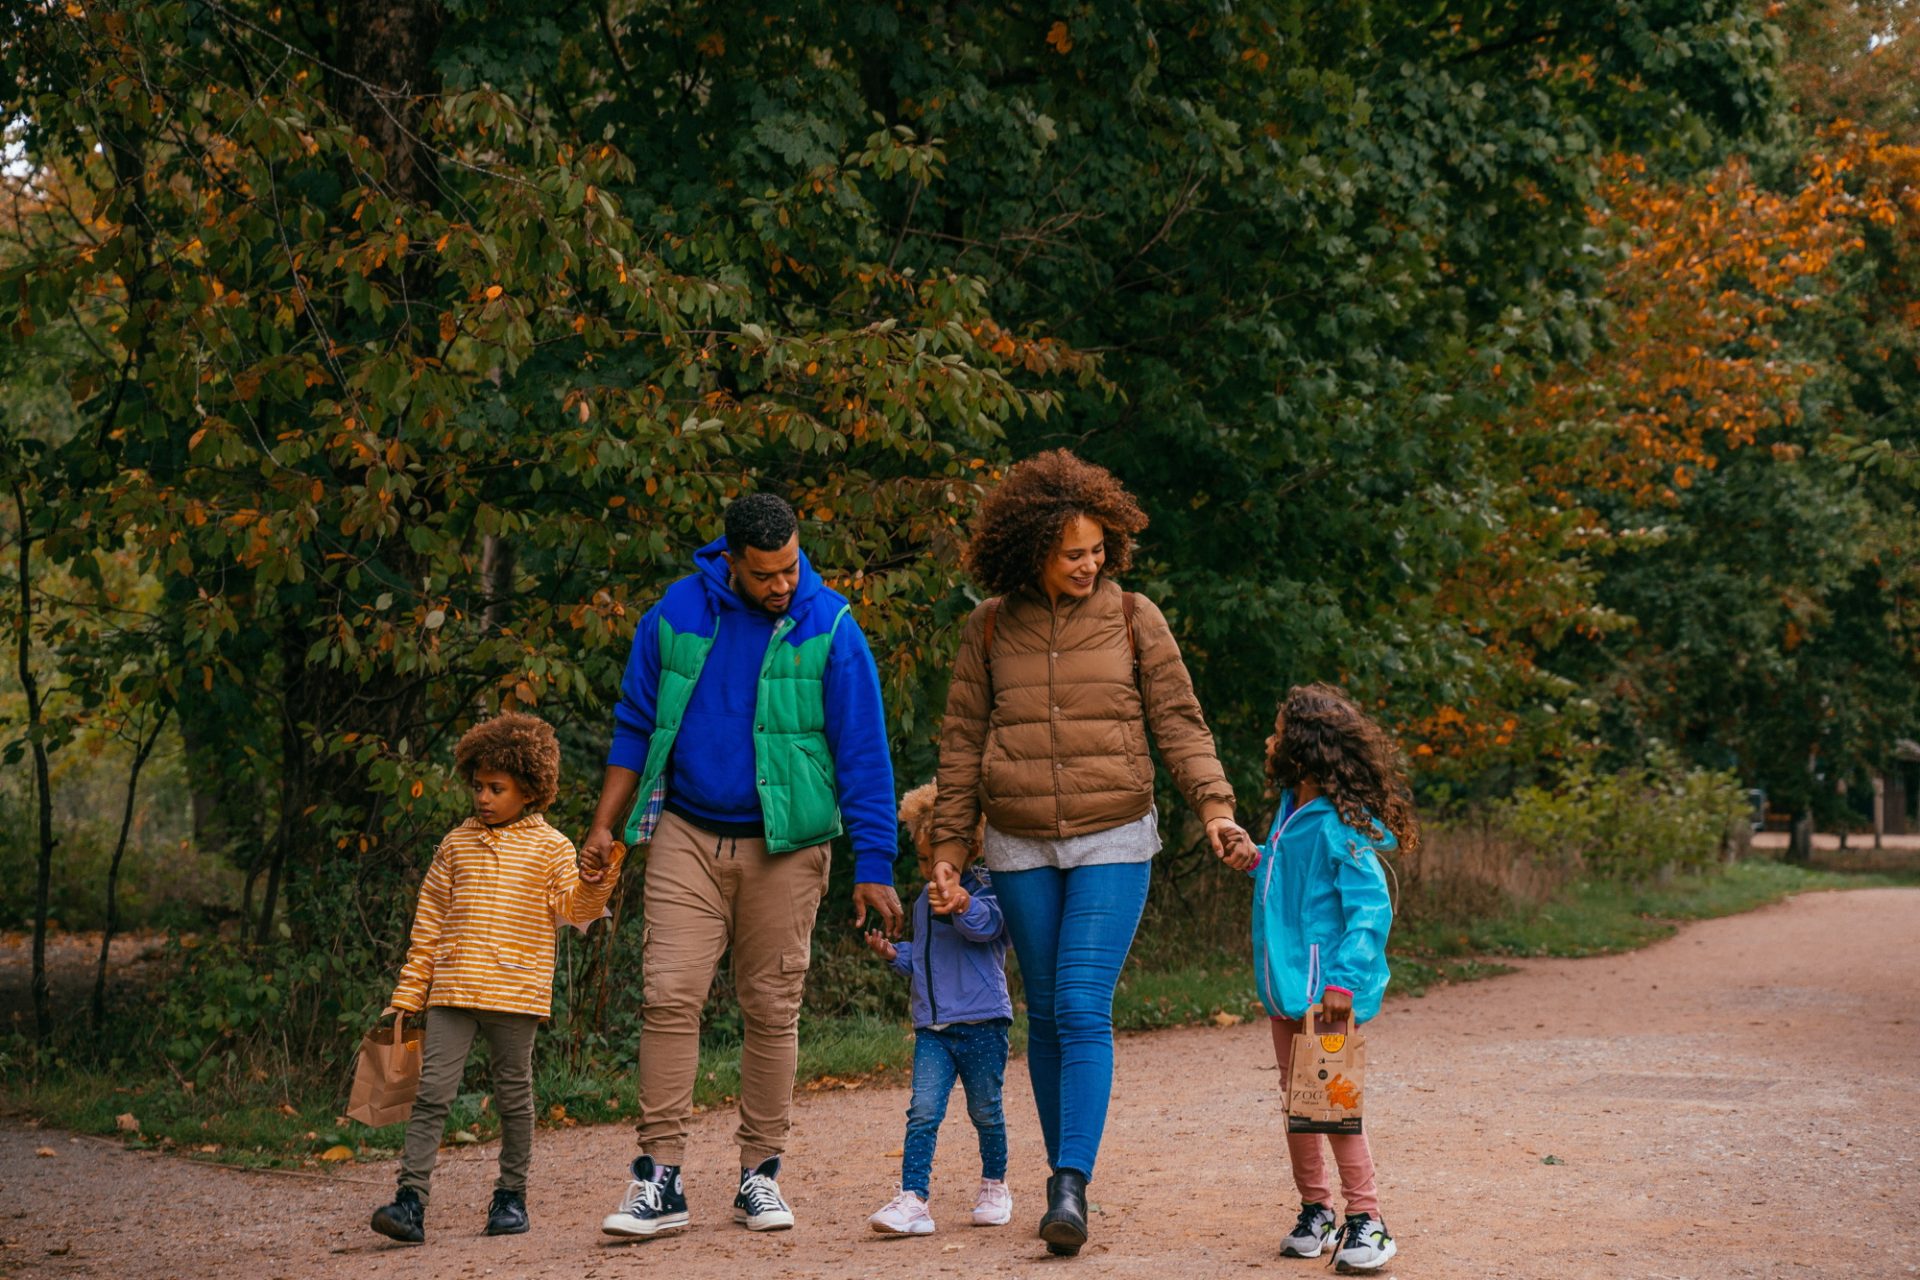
[1651, 818]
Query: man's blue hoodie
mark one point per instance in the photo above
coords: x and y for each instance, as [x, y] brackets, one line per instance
[712, 772]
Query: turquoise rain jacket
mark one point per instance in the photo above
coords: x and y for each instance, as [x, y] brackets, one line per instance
[1320, 911]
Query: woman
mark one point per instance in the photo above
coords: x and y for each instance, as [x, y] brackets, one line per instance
[1058, 678]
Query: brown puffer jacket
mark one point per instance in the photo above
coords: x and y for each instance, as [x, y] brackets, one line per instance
[1063, 749]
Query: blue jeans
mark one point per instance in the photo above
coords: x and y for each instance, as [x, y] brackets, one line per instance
[976, 1053]
[1072, 930]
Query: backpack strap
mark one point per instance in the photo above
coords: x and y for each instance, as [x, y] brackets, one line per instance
[986, 647]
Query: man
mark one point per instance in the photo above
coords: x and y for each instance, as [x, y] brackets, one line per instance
[749, 723]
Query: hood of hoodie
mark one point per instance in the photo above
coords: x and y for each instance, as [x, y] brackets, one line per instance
[718, 578]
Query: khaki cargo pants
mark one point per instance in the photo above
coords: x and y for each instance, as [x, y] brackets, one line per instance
[705, 893]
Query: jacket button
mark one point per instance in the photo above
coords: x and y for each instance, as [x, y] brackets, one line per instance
[759, 728]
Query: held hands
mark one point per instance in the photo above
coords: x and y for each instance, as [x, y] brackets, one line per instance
[1231, 844]
[878, 944]
[596, 852]
[945, 894]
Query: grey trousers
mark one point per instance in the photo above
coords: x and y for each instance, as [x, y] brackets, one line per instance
[443, 1059]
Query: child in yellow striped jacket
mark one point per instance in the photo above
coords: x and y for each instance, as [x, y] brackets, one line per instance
[481, 958]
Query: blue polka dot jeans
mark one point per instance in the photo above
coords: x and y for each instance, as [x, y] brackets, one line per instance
[975, 1053]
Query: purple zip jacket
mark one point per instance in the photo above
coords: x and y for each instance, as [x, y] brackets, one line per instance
[958, 963]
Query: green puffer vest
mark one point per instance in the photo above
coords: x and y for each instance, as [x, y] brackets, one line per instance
[794, 764]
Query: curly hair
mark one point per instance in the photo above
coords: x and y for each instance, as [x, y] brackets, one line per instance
[1020, 523]
[522, 746]
[1321, 734]
[916, 815]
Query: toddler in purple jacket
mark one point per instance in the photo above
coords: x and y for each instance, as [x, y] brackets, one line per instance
[961, 1013]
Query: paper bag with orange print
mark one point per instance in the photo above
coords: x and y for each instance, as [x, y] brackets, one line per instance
[1326, 1089]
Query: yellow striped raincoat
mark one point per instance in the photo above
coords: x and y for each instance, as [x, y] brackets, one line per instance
[483, 932]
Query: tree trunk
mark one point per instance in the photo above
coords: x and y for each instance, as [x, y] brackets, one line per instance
[386, 47]
[141, 752]
[1800, 842]
[42, 781]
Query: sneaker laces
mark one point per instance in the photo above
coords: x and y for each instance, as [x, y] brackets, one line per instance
[1354, 1232]
[906, 1202]
[761, 1193]
[1308, 1223]
[641, 1195]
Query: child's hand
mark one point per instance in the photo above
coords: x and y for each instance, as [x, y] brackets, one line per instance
[1232, 845]
[1336, 1007]
[945, 894]
[593, 862]
[878, 944]
[596, 851]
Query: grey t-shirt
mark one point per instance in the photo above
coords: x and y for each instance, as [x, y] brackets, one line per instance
[1135, 841]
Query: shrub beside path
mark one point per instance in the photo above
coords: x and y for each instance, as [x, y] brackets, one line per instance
[1739, 1100]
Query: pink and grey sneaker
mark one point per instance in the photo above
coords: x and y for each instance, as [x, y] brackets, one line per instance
[904, 1215]
[993, 1207]
[1311, 1233]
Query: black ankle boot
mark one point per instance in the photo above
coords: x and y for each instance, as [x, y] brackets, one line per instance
[507, 1215]
[403, 1220]
[1065, 1226]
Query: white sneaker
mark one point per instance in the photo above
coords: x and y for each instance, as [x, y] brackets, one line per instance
[1364, 1245]
[904, 1215]
[1311, 1234]
[758, 1206]
[993, 1207]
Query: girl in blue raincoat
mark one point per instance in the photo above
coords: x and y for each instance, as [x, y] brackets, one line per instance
[1320, 919]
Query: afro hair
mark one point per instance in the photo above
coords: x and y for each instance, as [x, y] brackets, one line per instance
[522, 746]
[1019, 524]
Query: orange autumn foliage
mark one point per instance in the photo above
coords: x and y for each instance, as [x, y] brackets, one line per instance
[1693, 361]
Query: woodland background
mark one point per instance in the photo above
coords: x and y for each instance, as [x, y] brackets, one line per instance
[1545, 373]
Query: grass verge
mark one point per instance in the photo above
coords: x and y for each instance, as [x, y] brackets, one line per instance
[276, 1124]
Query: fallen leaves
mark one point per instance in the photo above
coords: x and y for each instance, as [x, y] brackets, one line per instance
[336, 1153]
[127, 1122]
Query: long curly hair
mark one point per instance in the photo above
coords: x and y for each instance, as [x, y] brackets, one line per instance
[1322, 734]
[1020, 522]
[521, 746]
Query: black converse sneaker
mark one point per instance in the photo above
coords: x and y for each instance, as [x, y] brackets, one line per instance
[403, 1220]
[1311, 1233]
[655, 1202]
[758, 1206]
[1364, 1245]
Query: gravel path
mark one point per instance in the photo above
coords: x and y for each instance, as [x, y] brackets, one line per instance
[1741, 1100]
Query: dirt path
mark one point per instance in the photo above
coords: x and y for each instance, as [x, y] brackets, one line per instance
[1741, 1100]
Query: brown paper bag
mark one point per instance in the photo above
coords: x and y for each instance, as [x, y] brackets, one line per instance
[387, 1076]
[1325, 1080]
